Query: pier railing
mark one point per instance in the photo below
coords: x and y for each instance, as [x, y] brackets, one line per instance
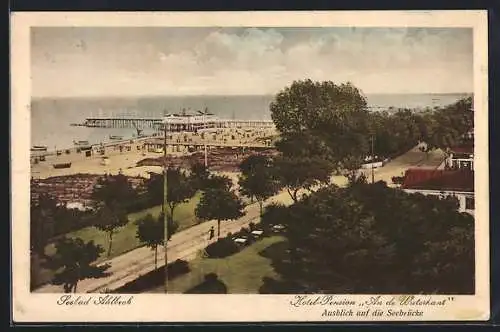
[158, 123]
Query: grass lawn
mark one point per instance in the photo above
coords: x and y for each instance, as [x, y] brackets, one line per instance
[242, 272]
[125, 238]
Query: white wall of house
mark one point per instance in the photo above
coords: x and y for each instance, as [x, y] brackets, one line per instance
[458, 163]
[465, 199]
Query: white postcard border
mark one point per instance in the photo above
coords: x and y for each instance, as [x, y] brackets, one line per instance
[30, 307]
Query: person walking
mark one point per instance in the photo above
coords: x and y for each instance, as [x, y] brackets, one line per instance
[211, 233]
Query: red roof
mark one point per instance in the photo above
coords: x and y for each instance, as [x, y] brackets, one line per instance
[463, 149]
[442, 180]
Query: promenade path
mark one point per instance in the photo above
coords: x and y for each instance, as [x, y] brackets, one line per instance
[183, 245]
[188, 243]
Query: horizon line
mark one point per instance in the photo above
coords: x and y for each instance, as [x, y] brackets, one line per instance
[232, 95]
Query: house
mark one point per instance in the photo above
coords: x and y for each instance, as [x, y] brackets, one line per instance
[460, 157]
[458, 183]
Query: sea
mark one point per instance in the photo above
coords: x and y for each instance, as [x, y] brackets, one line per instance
[51, 118]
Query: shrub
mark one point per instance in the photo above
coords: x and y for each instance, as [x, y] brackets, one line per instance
[398, 179]
[222, 248]
[155, 278]
[244, 231]
[211, 285]
[178, 268]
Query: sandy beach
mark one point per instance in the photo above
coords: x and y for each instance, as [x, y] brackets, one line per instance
[124, 156]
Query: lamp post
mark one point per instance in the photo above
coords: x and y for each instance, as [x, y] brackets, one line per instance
[206, 155]
[165, 219]
[373, 172]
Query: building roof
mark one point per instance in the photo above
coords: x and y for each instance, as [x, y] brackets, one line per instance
[441, 180]
[469, 149]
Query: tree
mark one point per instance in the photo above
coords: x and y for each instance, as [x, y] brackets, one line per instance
[199, 175]
[219, 204]
[345, 240]
[221, 182]
[151, 232]
[179, 190]
[321, 119]
[301, 173]
[154, 188]
[114, 190]
[109, 218]
[73, 261]
[42, 220]
[394, 133]
[258, 179]
[447, 126]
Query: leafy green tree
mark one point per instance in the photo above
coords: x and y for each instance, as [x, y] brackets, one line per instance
[42, 220]
[110, 218]
[173, 226]
[73, 261]
[394, 133]
[181, 187]
[114, 190]
[295, 174]
[274, 214]
[447, 126]
[199, 175]
[221, 182]
[321, 119]
[112, 194]
[151, 232]
[258, 178]
[154, 188]
[219, 204]
[344, 240]
[179, 190]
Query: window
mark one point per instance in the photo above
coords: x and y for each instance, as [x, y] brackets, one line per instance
[469, 203]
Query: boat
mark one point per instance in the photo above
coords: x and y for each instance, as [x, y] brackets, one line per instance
[62, 165]
[115, 137]
[80, 143]
[38, 148]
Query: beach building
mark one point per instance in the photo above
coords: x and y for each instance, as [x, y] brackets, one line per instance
[458, 183]
[189, 122]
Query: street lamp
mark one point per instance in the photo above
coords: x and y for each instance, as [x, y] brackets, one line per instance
[165, 219]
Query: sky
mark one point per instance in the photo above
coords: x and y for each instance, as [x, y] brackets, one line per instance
[131, 61]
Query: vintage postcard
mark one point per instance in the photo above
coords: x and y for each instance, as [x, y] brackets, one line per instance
[250, 166]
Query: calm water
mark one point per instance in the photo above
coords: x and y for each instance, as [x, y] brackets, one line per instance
[51, 118]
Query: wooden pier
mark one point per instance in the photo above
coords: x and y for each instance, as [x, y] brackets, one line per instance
[174, 125]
